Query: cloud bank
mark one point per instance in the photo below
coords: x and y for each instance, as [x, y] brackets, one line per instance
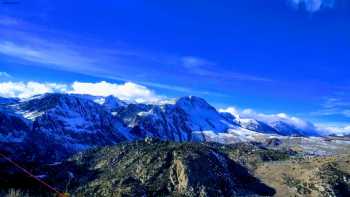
[232, 110]
[271, 118]
[128, 91]
[335, 130]
[321, 129]
[312, 5]
[28, 89]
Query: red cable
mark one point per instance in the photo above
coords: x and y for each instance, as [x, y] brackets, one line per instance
[32, 176]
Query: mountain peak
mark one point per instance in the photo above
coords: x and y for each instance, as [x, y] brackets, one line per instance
[190, 98]
[193, 101]
[111, 102]
[49, 100]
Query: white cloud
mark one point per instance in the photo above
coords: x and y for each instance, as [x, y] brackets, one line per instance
[128, 91]
[4, 75]
[200, 66]
[206, 68]
[25, 90]
[50, 53]
[193, 62]
[331, 129]
[321, 129]
[270, 118]
[334, 106]
[231, 110]
[312, 5]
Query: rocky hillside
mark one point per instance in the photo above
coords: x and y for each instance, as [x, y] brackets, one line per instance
[315, 176]
[155, 168]
[164, 168]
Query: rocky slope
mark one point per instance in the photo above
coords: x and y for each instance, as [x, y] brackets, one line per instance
[165, 169]
[14, 131]
[156, 168]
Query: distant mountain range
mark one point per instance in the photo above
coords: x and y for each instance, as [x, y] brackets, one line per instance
[54, 126]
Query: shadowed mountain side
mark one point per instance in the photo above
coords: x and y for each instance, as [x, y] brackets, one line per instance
[155, 168]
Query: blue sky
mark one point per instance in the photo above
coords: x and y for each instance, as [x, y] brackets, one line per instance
[276, 56]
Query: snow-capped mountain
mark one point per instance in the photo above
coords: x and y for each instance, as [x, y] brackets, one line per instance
[278, 124]
[57, 125]
[201, 116]
[62, 124]
[173, 121]
[256, 125]
[283, 128]
[113, 103]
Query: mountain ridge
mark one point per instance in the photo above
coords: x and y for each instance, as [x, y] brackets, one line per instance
[58, 125]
